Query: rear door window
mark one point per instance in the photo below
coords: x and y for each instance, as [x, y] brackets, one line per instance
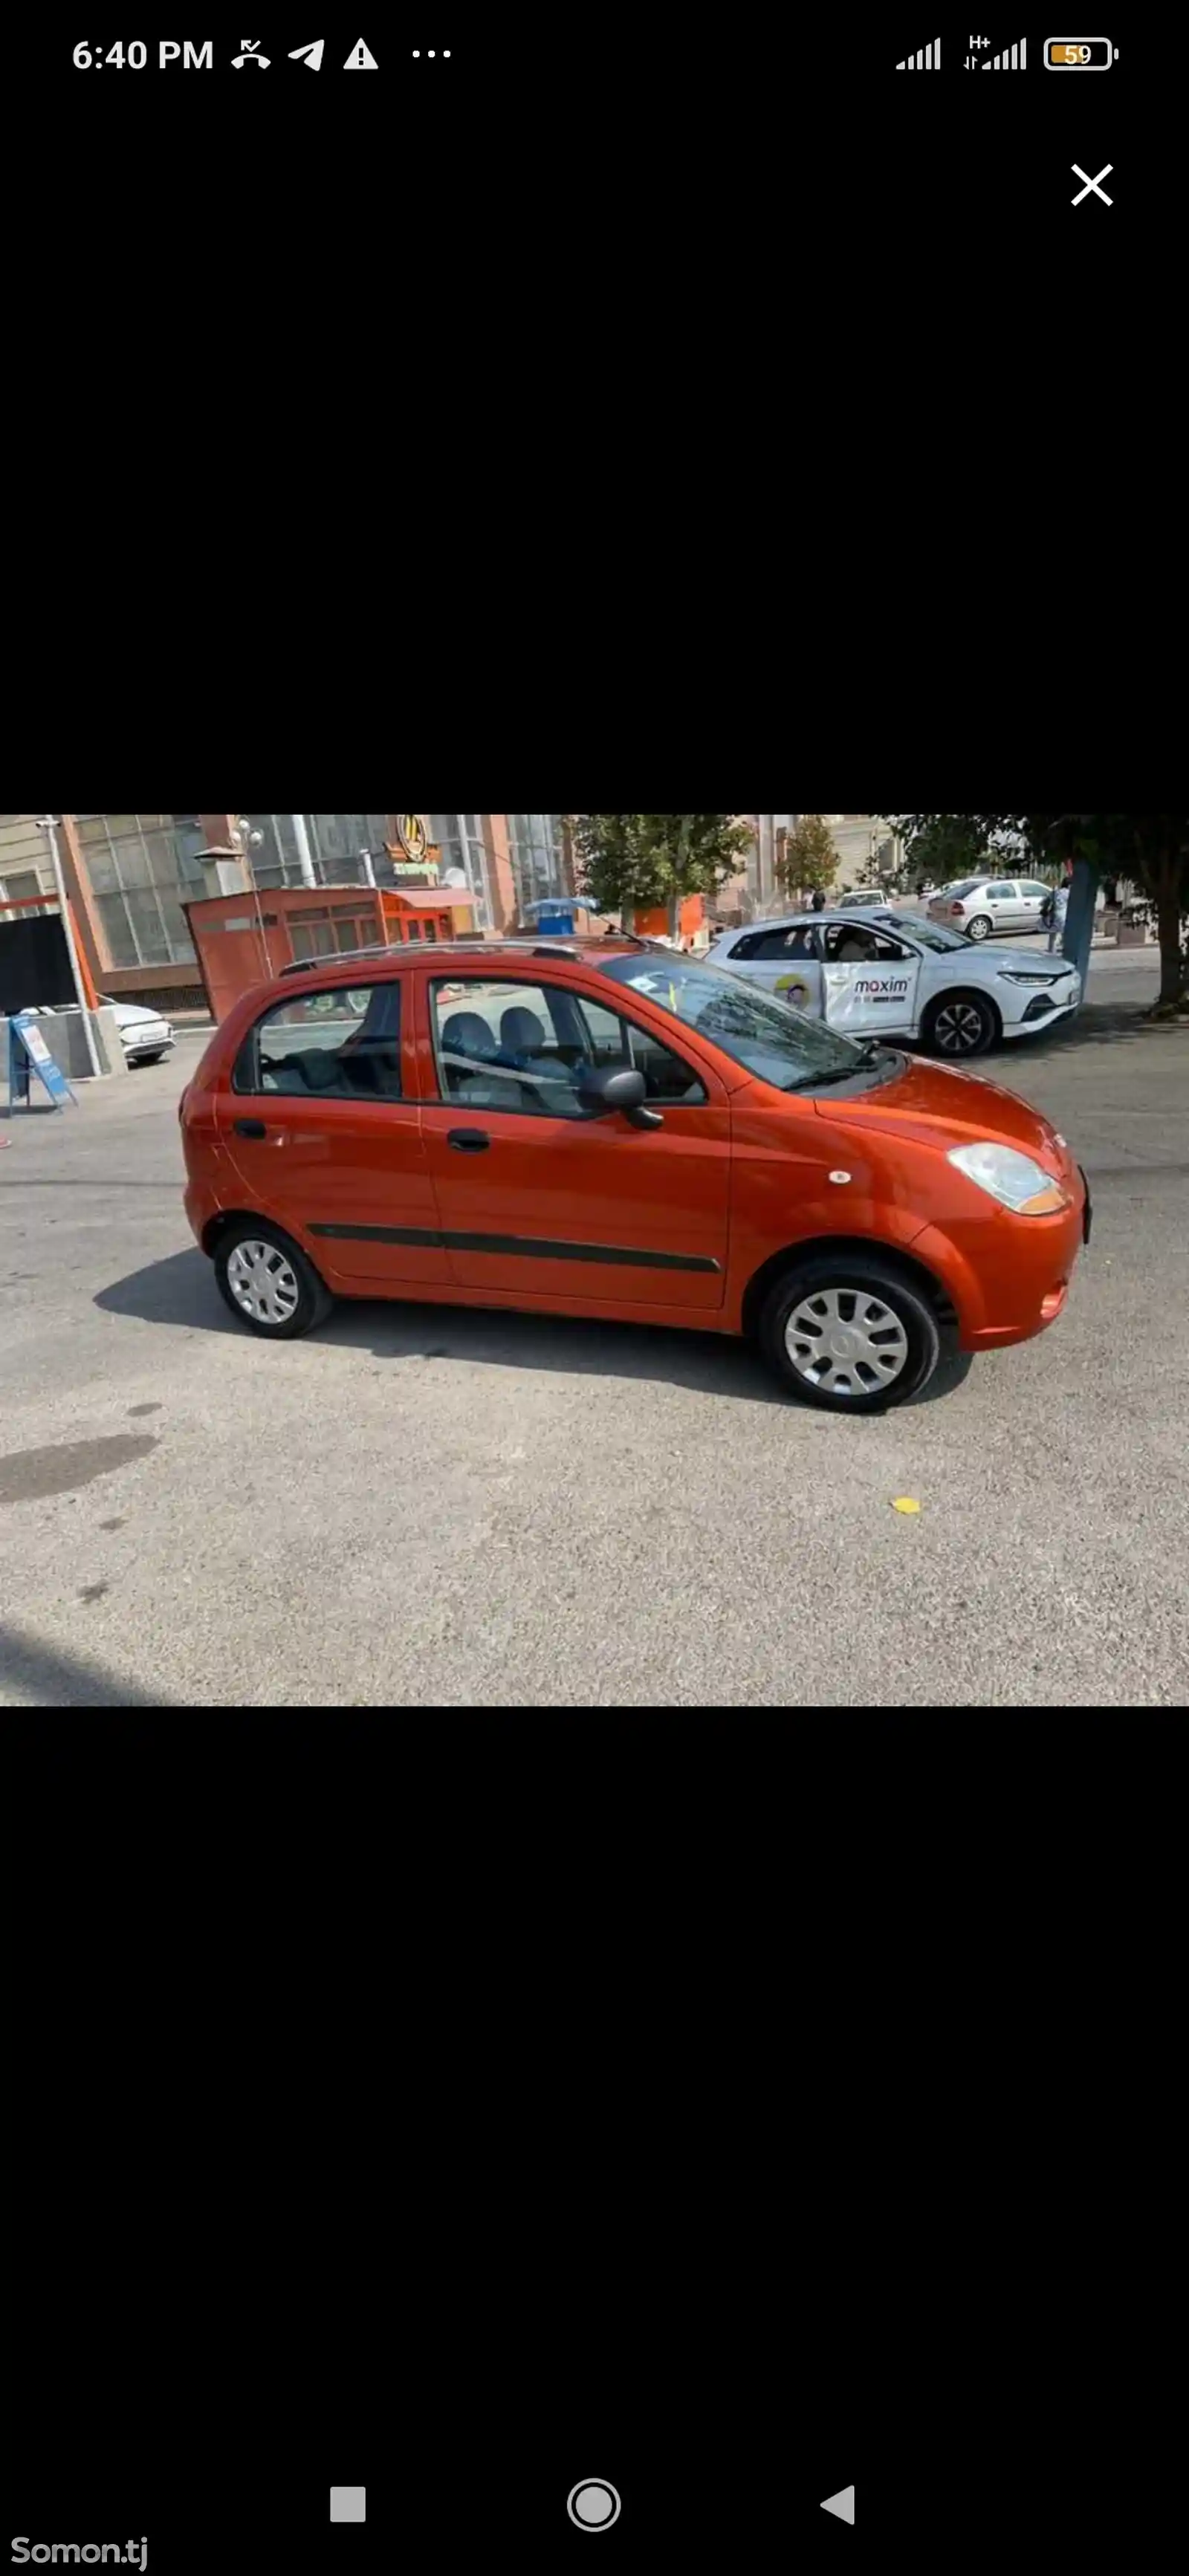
[337, 1044]
[760, 944]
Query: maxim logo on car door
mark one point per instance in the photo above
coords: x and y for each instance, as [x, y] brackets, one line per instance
[857, 994]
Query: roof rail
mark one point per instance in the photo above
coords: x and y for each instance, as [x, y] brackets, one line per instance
[342, 957]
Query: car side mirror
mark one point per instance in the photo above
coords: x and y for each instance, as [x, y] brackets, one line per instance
[605, 1087]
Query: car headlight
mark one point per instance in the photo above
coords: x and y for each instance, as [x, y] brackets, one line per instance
[1014, 1179]
[1027, 975]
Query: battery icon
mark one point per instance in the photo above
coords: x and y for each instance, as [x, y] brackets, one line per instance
[1088, 54]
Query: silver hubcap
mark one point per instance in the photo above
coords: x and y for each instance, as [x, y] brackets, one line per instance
[979, 929]
[263, 1281]
[958, 1028]
[846, 1340]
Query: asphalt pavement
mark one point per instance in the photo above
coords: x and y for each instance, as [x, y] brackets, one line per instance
[421, 1506]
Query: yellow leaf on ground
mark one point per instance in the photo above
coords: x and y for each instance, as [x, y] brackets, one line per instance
[904, 1503]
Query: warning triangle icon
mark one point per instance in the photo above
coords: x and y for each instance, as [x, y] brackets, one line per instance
[360, 60]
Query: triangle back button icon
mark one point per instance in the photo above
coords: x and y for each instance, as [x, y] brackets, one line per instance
[360, 60]
[843, 2504]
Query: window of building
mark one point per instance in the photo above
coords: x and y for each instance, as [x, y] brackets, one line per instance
[538, 860]
[336, 842]
[142, 868]
[339, 1044]
[460, 840]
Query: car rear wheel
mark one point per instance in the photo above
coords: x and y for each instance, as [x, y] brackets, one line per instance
[981, 926]
[846, 1332]
[268, 1282]
[960, 1024]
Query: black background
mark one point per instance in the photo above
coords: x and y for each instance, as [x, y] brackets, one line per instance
[34, 962]
[466, 2108]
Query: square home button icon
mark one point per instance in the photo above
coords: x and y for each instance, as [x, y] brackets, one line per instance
[348, 2504]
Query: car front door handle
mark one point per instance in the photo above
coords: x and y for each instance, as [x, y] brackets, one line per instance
[468, 1140]
[250, 1127]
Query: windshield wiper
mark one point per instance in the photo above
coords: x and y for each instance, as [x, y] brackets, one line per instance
[872, 1049]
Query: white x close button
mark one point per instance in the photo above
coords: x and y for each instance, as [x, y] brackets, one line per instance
[1091, 187]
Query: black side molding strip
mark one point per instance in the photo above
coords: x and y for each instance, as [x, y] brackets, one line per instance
[528, 1245]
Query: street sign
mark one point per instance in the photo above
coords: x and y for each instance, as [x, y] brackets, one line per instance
[28, 1053]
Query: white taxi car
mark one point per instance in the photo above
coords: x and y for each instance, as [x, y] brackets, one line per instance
[904, 976]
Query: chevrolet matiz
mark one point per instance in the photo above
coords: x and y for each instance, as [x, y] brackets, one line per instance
[615, 1130]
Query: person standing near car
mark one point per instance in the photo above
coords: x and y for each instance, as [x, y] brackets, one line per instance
[819, 900]
[1060, 906]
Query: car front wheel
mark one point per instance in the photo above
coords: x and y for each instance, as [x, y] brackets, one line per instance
[980, 927]
[267, 1281]
[960, 1024]
[846, 1332]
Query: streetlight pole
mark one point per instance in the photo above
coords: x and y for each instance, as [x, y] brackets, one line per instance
[48, 824]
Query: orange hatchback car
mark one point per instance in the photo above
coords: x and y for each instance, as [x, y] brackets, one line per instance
[609, 1128]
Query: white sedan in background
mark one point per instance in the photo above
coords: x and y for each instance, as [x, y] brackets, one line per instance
[144, 1035]
[902, 976]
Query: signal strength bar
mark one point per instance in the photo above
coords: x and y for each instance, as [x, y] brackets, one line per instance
[1014, 58]
[927, 60]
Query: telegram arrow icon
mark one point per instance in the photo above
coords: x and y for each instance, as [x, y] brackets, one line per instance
[310, 55]
[843, 2504]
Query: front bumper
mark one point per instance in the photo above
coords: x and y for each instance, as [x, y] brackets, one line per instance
[1026, 1028]
[1008, 1276]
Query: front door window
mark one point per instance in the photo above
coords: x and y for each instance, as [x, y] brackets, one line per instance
[524, 1047]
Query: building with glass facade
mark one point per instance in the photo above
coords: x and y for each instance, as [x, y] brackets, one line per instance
[130, 876]
[508, 861]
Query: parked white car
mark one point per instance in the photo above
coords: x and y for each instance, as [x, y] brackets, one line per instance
[144, 1035]
[984, 907]
[903, 976]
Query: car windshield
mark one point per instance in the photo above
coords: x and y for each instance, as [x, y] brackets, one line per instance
[772, 1040]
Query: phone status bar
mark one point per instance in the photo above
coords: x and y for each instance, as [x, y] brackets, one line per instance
[598, 58]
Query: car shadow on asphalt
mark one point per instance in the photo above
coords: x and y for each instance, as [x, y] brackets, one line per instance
[1096, 1024]
[180, 1291]
[55, 1680]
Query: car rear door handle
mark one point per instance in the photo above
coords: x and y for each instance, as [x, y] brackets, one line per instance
[468, 1140]
[250, 1127]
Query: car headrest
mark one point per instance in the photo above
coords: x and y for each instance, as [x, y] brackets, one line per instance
[522, 1031]
[466, 1034]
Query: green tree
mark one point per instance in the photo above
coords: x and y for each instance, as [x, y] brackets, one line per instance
[807, 860]
[944, 851]
[1152, 850]
[629, 862]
